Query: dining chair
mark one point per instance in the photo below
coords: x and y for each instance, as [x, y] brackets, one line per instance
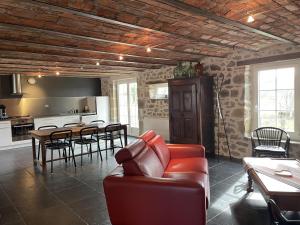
[61, 140]
[111, 133]
[279, 217]
[89, 136]
[71, 125]
[46, 142]
[270, 141]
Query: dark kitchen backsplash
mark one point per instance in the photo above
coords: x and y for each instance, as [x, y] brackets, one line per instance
[48, 106]
[52, 87]
[50, 95]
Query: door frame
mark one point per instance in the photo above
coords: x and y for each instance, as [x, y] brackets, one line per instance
[133, 131]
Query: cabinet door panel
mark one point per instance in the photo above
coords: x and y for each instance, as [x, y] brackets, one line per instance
[183, 113]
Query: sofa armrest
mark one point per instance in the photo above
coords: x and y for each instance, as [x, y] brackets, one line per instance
[186, 150]
[136, 200]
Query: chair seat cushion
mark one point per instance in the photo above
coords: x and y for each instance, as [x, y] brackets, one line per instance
[267, 148]
[184, 165]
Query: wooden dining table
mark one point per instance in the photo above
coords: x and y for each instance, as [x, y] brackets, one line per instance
[44, 135]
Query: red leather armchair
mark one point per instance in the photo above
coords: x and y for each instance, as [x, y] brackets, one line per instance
[158, 184]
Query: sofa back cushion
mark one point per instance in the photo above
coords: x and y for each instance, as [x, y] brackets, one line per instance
[148, 135]
[159, 146]
[138, 159]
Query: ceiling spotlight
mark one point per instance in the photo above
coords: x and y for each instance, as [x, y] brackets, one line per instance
[250, 19]
[40, 76]
[148, 49]
[97, 64]
[57, 73]
[121, 57]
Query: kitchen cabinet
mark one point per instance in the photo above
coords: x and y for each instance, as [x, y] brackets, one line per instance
[89, 118]
[5, 133]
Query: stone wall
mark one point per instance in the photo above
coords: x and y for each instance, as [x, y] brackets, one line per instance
[235, 97]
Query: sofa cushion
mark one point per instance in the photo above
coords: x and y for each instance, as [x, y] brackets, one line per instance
[139, 160]
[159, 146]
[148, 135]
[197, 177]
[195, 164]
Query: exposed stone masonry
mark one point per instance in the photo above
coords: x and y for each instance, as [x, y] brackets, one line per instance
[235, 98]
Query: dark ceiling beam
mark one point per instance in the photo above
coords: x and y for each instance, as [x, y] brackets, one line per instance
[59, 68]
[69, 59]
[29, 70]
[163, 61]
[63, 65]
[205, 13]
[94, 58]
[88, 38]
[275, 58]
[128, 25]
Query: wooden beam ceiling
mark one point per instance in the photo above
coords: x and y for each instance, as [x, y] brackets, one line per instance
[74, 35]
[129, 25]
[71, 59]
[205, 13]
[39, 31]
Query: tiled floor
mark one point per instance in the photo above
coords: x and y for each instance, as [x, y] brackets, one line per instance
[69, 197]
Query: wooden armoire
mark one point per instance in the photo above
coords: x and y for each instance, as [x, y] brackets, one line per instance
[191, 111]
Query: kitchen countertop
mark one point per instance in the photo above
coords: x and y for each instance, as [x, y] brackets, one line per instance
[66, 114]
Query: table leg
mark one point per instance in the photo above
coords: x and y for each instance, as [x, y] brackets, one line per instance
[125, 136]
[34, 151]
[250, 183]
[43, 151]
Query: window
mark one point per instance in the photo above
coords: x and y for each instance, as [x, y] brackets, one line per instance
[158, 91]
[275, 93]
[276, 98]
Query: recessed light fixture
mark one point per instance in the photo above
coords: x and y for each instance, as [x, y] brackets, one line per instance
[121, 57]
[97, 64]
[40, 76]
[148, 49]
[250, 19]
[57, 73]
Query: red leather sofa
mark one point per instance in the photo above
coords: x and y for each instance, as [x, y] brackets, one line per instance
[158, 184]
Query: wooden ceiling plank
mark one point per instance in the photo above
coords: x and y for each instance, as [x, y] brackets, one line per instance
[128, 25]
[126, 56]
[205, 13]
[127, 62]
[67, 59]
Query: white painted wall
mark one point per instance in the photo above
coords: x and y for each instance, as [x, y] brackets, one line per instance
[159, 125]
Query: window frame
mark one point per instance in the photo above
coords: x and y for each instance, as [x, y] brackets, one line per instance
[277, 65]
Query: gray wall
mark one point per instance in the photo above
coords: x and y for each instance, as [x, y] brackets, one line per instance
[53, 87]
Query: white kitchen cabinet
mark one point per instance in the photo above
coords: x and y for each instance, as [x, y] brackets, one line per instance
[89, 118]
[5, 133]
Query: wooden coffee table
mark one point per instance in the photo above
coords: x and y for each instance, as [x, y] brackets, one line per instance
[284, 190]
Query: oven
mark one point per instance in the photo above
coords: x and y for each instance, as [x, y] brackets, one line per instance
[20, 127]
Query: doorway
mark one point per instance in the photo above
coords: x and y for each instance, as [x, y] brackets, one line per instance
[128, 105]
